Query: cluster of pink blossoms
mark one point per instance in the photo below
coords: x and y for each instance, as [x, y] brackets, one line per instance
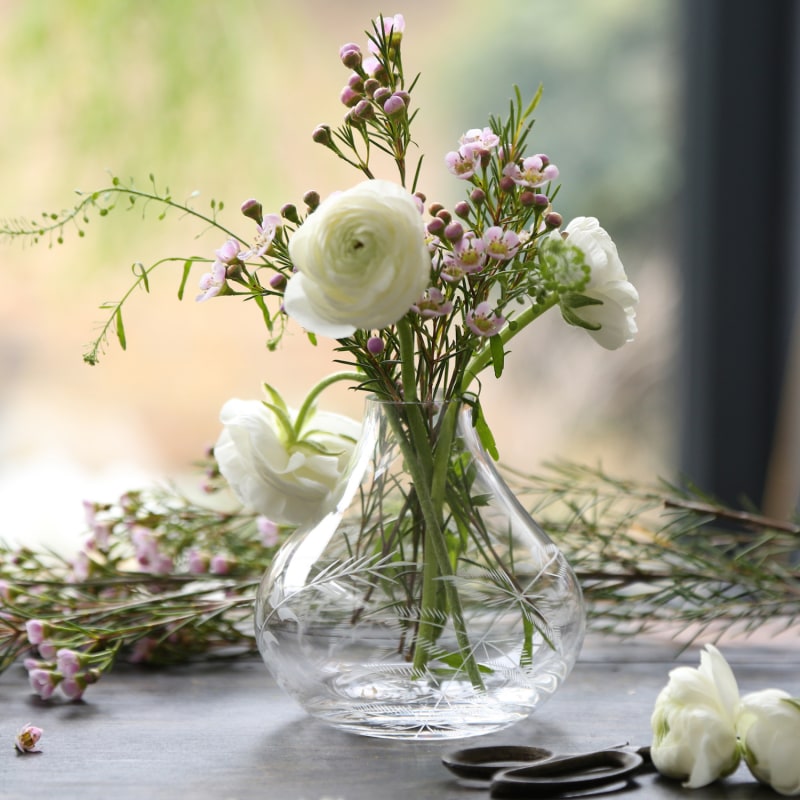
[230, 258]
[68, 670]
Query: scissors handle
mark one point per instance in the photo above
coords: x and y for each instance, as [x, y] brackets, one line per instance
[565, 774]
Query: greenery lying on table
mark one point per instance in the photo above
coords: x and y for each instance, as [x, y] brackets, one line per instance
[162, 579]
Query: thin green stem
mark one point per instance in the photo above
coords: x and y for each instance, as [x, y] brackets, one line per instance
[484, 357]
[317, 389]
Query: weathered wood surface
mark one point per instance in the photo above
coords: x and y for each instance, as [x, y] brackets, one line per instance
[225, 732]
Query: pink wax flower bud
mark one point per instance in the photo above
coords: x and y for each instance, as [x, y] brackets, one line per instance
[478, 196]
[311, 199]
[252, 210]
[289, 211]
[375, 345]
[381, 94]
[462, 209]
[553, 219]
[435, 226]
[371, 85]
[363, 110]
[278, 282]
[350, 54]
[349, 97]
[394, 105]
[321, 135]
[454, 231]
[506, 183]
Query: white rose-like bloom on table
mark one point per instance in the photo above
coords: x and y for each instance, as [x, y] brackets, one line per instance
[616, 315]
[769, 731]
[694, 722]
[291, 483]
[361, 261]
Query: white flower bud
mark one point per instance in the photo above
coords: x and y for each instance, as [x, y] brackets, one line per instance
[769, 730]
[694, 733]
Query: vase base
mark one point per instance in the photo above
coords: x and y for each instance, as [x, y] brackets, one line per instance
[393, 708]
[414, 723]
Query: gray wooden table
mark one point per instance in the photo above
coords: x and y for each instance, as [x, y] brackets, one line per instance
[225, 732]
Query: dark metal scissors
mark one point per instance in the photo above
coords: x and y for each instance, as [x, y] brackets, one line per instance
[517, 771]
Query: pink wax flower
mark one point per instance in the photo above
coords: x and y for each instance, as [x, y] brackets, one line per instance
[211, 283]
[534, 171]
[469, 252]
[432, 304]
[462, 165]
[37, 630]
[482, 320]
[220, 565]
[198, 562]
[74, 687]
[393, 29]
[43, 682]
[500, 244]
[268, 530]
[265, 233]
[482, 138]
[69, 662]
[27, 739]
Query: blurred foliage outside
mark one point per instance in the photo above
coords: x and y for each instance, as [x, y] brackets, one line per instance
[222, 98]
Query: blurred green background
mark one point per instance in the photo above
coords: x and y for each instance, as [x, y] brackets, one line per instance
[222, 98]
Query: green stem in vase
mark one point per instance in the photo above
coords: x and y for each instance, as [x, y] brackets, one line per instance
[428, 472]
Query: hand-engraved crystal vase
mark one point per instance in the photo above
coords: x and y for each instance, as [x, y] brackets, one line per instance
[426, 603]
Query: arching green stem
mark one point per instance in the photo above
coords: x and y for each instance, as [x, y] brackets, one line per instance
[316, 391]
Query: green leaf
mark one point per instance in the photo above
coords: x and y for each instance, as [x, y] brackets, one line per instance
[792, 701]
[187, 268]
[498, 355]
[571, 318]
[123, 342]
[576, 300]
[486, 436]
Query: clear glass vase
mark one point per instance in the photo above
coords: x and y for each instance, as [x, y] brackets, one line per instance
[426, 603]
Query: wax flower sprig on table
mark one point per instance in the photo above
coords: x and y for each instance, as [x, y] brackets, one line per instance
[421, 300]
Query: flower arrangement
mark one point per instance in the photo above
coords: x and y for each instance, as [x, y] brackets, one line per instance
[422, 301]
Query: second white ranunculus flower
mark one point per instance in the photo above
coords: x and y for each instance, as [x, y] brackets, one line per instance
[608, 283]
[769, 729]
[694, 722]
[290, 480]
[361, 261]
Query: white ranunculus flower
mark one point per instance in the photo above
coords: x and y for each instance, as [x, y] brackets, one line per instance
[694, 730]
[607, 283]
[769, 731]
[290, 483]
[361, 261]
